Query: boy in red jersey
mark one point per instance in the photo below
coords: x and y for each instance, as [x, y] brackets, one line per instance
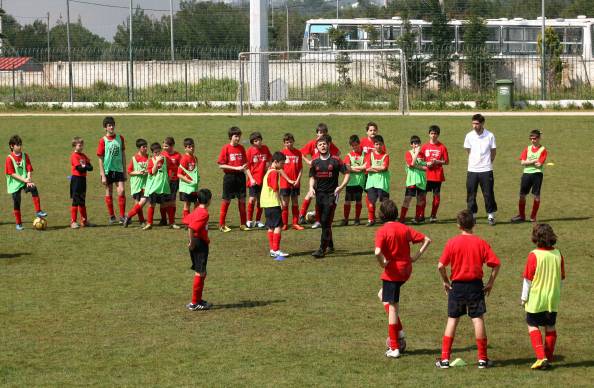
[258, 161]
[233, 161]
[188, 175]
[169, 208]
[354, 190]
[533, 158]
[541, 292]
[112, 161]
[466, 253]
[368, 143]
[198, 243]
[138, 172]
[377, 185]
[18, 171]
[78, 183]
[392, 250]
[436, 156]
[290, 182]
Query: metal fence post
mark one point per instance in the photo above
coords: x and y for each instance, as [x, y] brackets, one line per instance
[186, 78]
[13, 86]
[241, 80]
[301, 77]
[128, 80]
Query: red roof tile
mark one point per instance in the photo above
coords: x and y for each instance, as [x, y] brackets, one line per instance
[9, 63]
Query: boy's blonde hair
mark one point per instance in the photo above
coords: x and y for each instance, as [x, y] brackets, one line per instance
[77, 140]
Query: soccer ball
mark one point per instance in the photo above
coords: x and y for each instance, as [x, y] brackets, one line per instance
[310, 217]
[40, 223]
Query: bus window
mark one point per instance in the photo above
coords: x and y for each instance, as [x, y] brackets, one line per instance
[494, 39]
[318, 37]
[391, 34]
[531, 39]
[426, 39]
[519, 40]
[572, 40]
[373, 36]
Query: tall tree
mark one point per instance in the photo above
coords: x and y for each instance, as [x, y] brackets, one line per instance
[441, 50]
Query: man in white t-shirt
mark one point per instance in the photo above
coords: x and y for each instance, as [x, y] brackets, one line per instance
[480, 146]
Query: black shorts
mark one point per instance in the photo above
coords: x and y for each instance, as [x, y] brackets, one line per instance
[155, 198]
[274, 217]
[185, 197]
[138, 196]
[434, 187]
[254, 191]
[78, 190]
[199, 255]
[531, 181]
[234, 186]
[292, 192]
[414, 191]
[353, 193]
[114, 176]
[544, 318]
[391, 291]
[466, 298]
[374, 195]
[174, 188]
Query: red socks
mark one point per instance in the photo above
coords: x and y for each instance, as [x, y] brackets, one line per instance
[347, 210]
[295, 211]
[276, 238]
[109, 204]
[285, 215]
[171, 213]
[17, 216]
[122, 204]
[403, 211]
[197, 288]
[250, 211]
[393, 333]
[522, 207]
[83, 214]
[151, 214]
[481, 344]
[134, 211]
[535, 206]
[550, 339]
[163, 211]
[370, 210]
[536, 340]
[446, 347]
[224, 209]
[304, 207]
[242, 215]
[435, 205]
[36, 203]
[258, 213]
[271, 240]
[73, 213]
[358, 206]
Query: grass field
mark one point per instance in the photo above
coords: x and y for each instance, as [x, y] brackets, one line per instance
[106, 306]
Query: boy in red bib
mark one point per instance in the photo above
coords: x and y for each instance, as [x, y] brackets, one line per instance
[258, 160]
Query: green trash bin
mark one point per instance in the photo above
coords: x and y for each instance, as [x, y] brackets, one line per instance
[505, 94]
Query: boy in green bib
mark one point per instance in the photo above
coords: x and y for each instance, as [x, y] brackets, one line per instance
[541, 291]
[377, 186]
[18, 171]
[138, 171]
[354, 190]
[189, 178]
[416, 181]
[112, 162]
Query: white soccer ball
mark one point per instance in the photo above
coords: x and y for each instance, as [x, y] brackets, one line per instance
[310, 217]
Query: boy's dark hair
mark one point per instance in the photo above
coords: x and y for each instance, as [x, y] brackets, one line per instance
[465, 219]
[371, 124]
[255, 136]
[434, 128]
[354, 139]
[478, 117]
[188, 141]
[204, 195]
[141, 143]
[322, 128]
[329, 139]
[14, 140]
[288, 136]
[156, 147]
[279, 157]
[535, 132]
[108, 120]
[543, 236]
[233, 131]
[169, 141]
[388, 210]
[323, 138]
[414, 139]
[77, 140]
[378, 139]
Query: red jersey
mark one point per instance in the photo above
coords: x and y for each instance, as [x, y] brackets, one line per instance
[394, 239]
[139, 159]
[198, 222]
[409, 159]
[311, 149]
[377, 156]
[541, 159]
[101, 146]
[432, 152]
[467, 253]
[77, 159]
[531, 263]
[257, 162]
[9, 167]
[293, 166]
[272, 181]
[189, 162]
[367, 145]
[172, 164]
[232, 156]
[151, 164]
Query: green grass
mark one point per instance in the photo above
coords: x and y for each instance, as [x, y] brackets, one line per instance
[105, 306]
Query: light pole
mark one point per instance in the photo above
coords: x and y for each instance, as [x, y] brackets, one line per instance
[287, 8]
[69, 52]
[48, 36]
[171, 25]
[337, 9]
[131, 69]
[543, 82]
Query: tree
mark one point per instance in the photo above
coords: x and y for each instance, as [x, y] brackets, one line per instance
[553, 64]
[86, 45]
[418, 69]
[478, 63]
[441, 45]
[147, 33]
[343, 60]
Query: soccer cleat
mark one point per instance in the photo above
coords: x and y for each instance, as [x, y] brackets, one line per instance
[142, 225]
[285, 227]
[163, 222]
[224, 228]
[316, 225]
[244, 228]
[192, 306]
[281, 253]
[442, 364]
[207, 305]
[419, 220]
[330, 250]
[533, 220]
[297, 227]
[484, 364]
[272, 253]
[260, 225]
[41, 214]
[517, 219]
[357, 222]
[491, 221]
[318, 254]
[249, 224]
[126, 222]
[302, 220]
[393, 353]
[433, 219]
[174, 226]
[370, 223]
[74, 225]
[202, 305]
[147, 227]
[87, 224]
[112, 220]
[19, 227]
[344, 223]
[541, 364]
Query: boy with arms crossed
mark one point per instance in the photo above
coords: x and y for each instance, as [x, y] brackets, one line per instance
[188, 175]
[270, 201]
[137, 170]
[377, 164]
[112, 159]
[258, 161]
[354, 190]
[290, 186]
[169, 208]
[78, 184]
[416, 181]
[436, 156]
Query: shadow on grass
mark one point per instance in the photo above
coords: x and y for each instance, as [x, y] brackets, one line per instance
[560, 219]
[247, 304]
[13, 255]
[529, 360]
[436, 351]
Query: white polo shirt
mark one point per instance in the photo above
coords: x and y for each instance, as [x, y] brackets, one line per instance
[480, 146]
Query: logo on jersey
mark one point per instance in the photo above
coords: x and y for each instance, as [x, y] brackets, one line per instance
[235, 157]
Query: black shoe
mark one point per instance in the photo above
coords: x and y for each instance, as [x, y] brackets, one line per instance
[163, 222]
[484, 364]
[442, 364]
[420, 220]
[126, 222]
[357, 222]
[301, 220]
[344, 223]
[330, 250]
[370, 223]
[318, 254]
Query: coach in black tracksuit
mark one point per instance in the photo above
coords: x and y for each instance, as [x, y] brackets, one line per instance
[323, 183]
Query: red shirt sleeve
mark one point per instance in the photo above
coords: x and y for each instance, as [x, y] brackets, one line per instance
[123, 143]
[131, 165]
[530, 268]
[273, 181]
[367, 160]
[490, 258]
[408, 158]
[308, 149]
[347, 160]
[444, 154]
[101, 148]
[387, 161]
[28, 165]
[9, 167]
[223, 158]
[524, 154]
[543, 156]
[334, 151]
[414, 236]
[150, 166]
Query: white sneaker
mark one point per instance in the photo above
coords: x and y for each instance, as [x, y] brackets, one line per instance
[393, 353]
[272, 253]
[316, 225]
[260, 224]
[249, 224]
[281, 253]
